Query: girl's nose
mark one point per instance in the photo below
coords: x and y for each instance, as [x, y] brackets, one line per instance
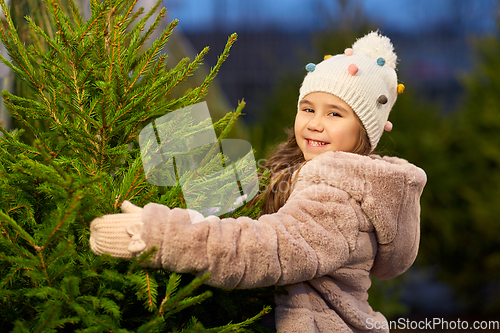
[315, 124]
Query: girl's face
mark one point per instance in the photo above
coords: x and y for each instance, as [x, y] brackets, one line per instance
[323, 123]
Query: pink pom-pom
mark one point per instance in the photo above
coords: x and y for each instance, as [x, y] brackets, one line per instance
[388, 126]
[353, 69]
[348, 52]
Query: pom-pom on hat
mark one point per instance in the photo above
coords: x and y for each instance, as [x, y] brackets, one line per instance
[364, 77]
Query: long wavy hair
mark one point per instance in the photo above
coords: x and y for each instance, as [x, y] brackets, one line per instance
[287, 159]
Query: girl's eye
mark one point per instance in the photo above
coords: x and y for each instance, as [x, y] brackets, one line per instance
[308, 110]
[335, 114]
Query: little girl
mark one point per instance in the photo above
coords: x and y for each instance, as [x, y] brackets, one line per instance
[332, 215]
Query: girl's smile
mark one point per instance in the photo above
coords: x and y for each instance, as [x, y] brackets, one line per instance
[314, 143]
[323, 123]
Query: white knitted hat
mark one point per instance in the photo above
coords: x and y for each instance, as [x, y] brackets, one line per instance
[364, 77]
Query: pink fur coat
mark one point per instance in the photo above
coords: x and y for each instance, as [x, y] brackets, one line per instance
[348, 216]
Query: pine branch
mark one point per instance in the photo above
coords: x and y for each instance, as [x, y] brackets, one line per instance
[93, 85]
[201, 91]
[148, 289]
[16, 50]
[155, 24]
[18, 228]
[171, 305]
[226, 123]
[239, 327]
[64, 29]
[152, 53]
[68, 211]
[133, 183]
[191, 67]
[173, 284]
[131, 19]
[142, 23]
[92, 23]
[51, 42]
[76, 14]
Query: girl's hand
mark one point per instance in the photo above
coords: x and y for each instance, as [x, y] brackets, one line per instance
[128, 207]
[118, 234]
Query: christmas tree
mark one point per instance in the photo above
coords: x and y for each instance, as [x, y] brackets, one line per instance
[75, 156]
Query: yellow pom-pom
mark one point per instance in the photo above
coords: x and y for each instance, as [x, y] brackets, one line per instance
[401, 88]
[327, 56]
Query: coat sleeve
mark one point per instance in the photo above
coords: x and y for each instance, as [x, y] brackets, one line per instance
[309, 236]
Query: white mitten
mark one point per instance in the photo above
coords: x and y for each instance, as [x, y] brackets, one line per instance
[128, 207]
[118, 234]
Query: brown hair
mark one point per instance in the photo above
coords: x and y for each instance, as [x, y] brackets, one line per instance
[287, 159]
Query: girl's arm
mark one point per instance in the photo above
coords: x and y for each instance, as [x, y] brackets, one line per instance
[299, 242]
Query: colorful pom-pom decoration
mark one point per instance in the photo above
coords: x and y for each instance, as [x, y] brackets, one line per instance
[327, 56]
[349, 52]
[382, 99]
[381, 61]
[352, 69]
[310, 67]
[401, 88]
[388, 126]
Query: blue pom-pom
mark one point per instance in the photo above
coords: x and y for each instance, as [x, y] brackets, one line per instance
[381, 61]
[310, 67]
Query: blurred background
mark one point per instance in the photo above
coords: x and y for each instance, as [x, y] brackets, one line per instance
[447, 121]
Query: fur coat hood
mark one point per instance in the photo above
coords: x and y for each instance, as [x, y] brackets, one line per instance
[388, 191]
[348, 216]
